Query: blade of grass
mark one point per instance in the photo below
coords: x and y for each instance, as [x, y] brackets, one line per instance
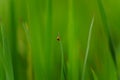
[6, 60]
[73, 53]
[87, 49]
[2, 71]
[63, 75]
[13, 38]
[48, 36]
[72, 65]
[94, 74]
[104, 20]
[29, 71]
[107, 30]
[36, 31]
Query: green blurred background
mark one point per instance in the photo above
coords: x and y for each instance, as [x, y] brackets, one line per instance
[29, 49]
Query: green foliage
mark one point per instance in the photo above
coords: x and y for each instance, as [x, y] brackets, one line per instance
[29, 49]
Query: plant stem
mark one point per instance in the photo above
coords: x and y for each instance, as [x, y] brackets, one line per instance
[62, 60]
[62, 56]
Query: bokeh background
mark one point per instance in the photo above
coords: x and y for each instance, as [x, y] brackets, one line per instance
[29, 49]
